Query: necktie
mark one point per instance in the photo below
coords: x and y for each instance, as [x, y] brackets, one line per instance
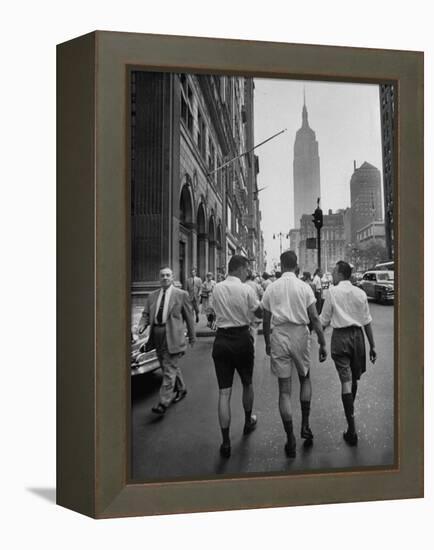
[160, 309]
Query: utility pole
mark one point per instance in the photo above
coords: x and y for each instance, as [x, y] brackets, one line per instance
[317, 220]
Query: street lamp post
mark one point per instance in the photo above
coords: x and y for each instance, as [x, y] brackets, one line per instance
[317, 220]
[280, 236]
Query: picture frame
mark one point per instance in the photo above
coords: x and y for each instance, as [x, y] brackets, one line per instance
[93, 273]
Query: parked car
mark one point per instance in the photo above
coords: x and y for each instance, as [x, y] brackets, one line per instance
[142, 361]
[379, 285]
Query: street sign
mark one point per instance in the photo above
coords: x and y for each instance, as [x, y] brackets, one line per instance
[311, 242]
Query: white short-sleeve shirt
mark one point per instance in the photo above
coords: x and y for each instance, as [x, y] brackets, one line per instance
[345, 305]
[234, 303]
[288, 299]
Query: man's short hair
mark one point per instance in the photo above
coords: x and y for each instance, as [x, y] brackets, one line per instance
[344, 269]
[166, 267]
[288, 260]
[236, 262]
[265, 276]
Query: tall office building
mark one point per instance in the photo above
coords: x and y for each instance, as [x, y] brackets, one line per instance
[365, 197]
[306, 170]
[387, 105]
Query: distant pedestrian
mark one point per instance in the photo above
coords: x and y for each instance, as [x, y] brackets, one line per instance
[318, 289]
[194, 284]
[166, 310]
[289, 305]
[266, 280]
[346, 309]
[206, 300]
[234, 302]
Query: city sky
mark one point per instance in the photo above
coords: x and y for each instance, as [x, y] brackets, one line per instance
[346, 120]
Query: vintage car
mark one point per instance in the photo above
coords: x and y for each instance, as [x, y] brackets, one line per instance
[379, 285]
[142, 361]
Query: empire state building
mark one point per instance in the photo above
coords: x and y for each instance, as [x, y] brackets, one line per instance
[306, 170]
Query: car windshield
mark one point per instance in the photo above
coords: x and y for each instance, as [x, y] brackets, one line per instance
[386, 276]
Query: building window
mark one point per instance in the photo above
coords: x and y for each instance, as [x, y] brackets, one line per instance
[201, 133]
[186, 103]
[211, 155]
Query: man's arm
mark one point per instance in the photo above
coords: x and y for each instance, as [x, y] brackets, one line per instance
[266, 324]
[326, 312]
[317, 327]
[187, 315]
[370, 337]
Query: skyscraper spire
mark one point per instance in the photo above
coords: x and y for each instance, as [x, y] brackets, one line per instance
[304, 114]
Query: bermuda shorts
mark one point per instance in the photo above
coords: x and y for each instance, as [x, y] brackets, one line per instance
[290, 348]
[233, 351]
[348, 352]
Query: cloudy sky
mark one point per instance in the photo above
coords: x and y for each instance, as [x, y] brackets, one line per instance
[346, 120]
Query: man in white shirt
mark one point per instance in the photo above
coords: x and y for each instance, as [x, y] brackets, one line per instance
[165, 312]
[234, 303]
[346, 309]
[289, 306]
[193, 285]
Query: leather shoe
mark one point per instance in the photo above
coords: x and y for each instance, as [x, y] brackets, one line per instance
[291, 448]
[225, 450]
[159, 409]
[306, 433]
[350, 438]
[250, 426]
[180, 394]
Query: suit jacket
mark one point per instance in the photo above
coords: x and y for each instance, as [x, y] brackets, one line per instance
[194, 285]
[178, 312]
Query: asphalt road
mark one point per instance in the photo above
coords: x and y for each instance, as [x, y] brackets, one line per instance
[185, 442]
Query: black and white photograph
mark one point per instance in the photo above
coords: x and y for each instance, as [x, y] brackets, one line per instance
[262, 276]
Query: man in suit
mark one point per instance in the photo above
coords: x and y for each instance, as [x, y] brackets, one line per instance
[165, 312]
[194, 284]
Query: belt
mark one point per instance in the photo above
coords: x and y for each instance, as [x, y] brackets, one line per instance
[160, 326]
[349, 327]
[233, 329]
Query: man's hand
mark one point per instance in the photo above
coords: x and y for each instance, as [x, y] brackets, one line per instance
[322, 353]
[191, 342]
[268, 348]
[372, 355]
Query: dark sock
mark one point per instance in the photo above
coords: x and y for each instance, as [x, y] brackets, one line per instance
[305, 411]
[248, 416]
[354, 389]
[348, 403]
[287, 424]
[225, 434]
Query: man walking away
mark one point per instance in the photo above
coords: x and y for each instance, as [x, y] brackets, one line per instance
[346, 309]
[289, 305]
[194, 285]
[165, 311]
[234, 302]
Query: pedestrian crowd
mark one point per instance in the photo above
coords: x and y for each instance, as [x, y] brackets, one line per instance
[291, 308]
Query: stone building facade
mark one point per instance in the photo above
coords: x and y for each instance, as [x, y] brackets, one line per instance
[387, 106]
[366, 205]
[332, 242]
[186, 211]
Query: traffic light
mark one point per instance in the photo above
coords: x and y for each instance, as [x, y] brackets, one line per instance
[317, 218]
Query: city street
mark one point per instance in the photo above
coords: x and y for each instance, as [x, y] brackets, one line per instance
[185, 442]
